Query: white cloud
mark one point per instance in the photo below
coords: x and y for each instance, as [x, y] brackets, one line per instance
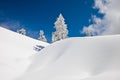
[96, 28]
[110, 24]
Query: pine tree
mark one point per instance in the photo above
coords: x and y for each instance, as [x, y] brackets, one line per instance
[42, 36]
[22, 31]
[88, 32]
[61, 29]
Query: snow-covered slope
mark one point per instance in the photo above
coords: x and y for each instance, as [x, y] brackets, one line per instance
[16, 51]
[90, 58]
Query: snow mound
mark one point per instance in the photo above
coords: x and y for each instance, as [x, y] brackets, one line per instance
[16, 51]
[90, 58]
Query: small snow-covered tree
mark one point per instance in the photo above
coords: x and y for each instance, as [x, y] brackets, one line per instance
[87, 31]
[61, 29]
[22, 31]
[42, 36]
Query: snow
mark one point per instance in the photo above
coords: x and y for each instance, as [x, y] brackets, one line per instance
[89, 58]
[16, 53]
[78, 58]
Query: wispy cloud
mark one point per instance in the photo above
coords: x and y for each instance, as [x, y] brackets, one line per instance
[12, 25]
[8, 23]
[96, 28]
[15, 25]
[110, 23]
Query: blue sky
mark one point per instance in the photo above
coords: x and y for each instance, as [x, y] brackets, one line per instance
[35, 15]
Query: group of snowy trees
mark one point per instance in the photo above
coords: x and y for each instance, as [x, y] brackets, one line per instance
[60, 33]
[41, 34]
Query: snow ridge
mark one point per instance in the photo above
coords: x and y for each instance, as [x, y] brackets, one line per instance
[90, 58]
[16, 53]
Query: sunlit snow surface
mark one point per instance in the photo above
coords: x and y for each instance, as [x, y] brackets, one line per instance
[16, 53]
[89, 58]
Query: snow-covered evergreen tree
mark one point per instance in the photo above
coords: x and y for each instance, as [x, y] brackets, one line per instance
[61, 29]
[22, 31]
[42, 36]
[87, 31]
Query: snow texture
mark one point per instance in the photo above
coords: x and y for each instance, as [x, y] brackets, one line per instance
[16, 53]
[89, 58]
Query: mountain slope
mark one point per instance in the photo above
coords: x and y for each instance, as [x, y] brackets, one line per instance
[16, 51]
[90, 58]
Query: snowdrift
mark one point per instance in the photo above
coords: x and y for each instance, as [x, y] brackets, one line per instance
[16, 51]
[90, 58]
